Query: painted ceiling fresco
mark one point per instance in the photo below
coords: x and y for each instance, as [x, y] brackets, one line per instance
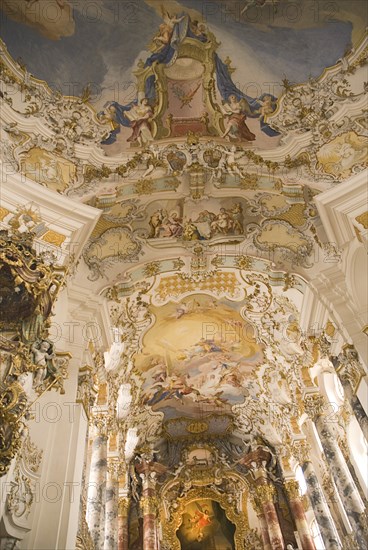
[193, 359]
[101, 42]
[154, 70]
[203, 361]
[202, 132]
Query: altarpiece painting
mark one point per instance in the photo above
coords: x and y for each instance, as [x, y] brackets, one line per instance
[205, 526]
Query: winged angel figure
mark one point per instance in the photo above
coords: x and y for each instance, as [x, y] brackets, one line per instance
[166, 30]
[199, 521]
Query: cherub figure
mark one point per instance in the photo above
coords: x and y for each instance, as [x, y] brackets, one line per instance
[233, 155]
[267, 105]
[108, 115]
[43, 355]
[152, 160]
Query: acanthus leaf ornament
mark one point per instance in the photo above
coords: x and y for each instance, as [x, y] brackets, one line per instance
[265, 493]
[292, 489]
[314, 405]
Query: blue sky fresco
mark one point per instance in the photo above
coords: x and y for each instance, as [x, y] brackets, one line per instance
[104, 51]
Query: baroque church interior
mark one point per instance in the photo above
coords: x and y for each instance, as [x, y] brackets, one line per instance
[183, 275]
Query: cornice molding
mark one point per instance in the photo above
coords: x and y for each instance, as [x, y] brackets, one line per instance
[73, 219]
[87, 307]
[339, 206]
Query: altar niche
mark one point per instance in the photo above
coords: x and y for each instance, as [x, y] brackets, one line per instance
[204, 518]
[205, 526]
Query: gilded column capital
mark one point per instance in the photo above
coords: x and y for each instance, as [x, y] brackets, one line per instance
[349, 367]
[84, 539]
[346, 411]
[301, 451]
[265, 493]
[364, 521]
[149, 504]
[350, 542]
[324, 344]
[314, 405]
[123, 506]
[113, 467]
[329, 487]
[292, 489]
[103, 423]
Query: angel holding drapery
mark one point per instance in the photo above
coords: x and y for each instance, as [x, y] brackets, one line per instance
[166, 29]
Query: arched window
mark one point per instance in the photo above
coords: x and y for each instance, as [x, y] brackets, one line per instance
[301, 480]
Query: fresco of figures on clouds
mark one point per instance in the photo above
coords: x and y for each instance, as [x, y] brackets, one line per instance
[196, 220]
[199, 357]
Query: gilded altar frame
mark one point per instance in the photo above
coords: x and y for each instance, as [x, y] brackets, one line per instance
[170, 526]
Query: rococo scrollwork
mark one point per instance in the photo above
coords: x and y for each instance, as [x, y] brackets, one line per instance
[29, 287]
[190, 223]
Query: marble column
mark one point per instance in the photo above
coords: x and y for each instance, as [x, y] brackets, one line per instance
[123, 534]
[354, 476]
[264, 494]
[96, 493]
[346, 487]
[349, 371]
[356, 406]
[149, 504]
[149, 508]
[320, 507]
[263, 527]
[111, 508]
[297, 510]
